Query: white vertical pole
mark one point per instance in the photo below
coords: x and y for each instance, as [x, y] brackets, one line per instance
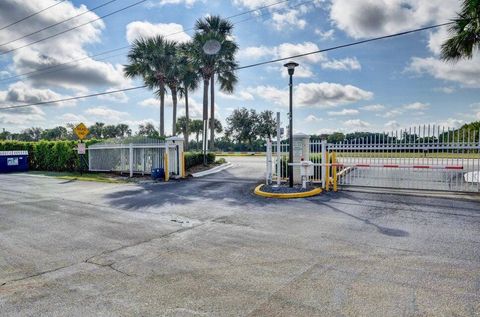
[268, 174]
[131, 159]
[279, 176]
[324, 161]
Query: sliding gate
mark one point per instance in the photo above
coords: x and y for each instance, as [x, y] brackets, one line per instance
[420, 158]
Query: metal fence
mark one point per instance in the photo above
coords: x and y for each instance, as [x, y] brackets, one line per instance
[425, 158]
[135, 158]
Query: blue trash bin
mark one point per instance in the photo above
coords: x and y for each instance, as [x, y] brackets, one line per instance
[158, 173]
[13, 161]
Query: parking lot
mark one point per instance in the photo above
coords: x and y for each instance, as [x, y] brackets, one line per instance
[209, 247]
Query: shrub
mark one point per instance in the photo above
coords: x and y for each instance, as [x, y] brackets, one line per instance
[196, 158]
[59, 156]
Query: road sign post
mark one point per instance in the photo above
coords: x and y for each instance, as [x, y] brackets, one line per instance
[81, 131]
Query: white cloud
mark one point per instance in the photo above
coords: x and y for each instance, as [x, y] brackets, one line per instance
[417, 106]
[325, 35]
[363, 19]
[344, 112]
[342, 64]
[374, 108]
[391, 113]
[150, 102]
[106, 113]
[312, 118]
[161, 3]
[356, 124]
[241, 96]
[58, 49]
[392, 125]
[445, 90]
[254, 52]
[452, 123]
[71, 118]
[118, 97]
[316, 95]
[288, 18]
[172, 31]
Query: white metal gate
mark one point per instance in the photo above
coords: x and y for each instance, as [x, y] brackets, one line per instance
[424, 158]
[136, 158]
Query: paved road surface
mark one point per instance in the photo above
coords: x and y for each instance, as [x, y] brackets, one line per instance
[208, 247]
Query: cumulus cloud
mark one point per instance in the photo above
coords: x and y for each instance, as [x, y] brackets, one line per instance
[363, 19]
[342, 64]
[117, 96]
[312, 118]
[417, 106]
[172, 31]
[316, 95]
[240, 96]
[161, 3]
[106, 113]
[374, 108]
[57, 50]
[325, 35]
[356, 124]
[392, 125]
[344, 112]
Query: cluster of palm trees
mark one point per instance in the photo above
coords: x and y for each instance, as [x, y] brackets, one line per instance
[180, 67]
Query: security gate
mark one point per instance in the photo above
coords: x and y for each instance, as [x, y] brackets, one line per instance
[422, 158]
[137, 156]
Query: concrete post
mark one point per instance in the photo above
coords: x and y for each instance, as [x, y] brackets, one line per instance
[130, 161]
[324, 161]
[176, 160]
[301, 151]
[268, 174]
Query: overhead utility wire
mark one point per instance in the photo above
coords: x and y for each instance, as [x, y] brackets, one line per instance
[58, 23]
[73, 28]
[241, 67]
[31, 15]
[128, 46]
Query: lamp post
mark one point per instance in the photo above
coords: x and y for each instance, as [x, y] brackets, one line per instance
[291, 69]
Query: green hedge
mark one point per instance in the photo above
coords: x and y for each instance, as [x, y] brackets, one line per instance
[196, 158]
[59, 156]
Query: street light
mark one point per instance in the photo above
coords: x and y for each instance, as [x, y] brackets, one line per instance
[291, 69]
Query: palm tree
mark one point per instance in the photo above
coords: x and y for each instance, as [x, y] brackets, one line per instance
[465, 33]
[189, 78]
[173, 80]
[182, 126]
[150, 58]
[197, 128]
[214, 28]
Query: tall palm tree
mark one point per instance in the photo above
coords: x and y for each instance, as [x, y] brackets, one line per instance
[190, 79]
[217, 29]
[150, 58]
[465, 33]
[173, 79]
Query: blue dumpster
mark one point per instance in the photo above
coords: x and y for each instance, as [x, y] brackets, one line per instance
[158, 173]
[13, 161]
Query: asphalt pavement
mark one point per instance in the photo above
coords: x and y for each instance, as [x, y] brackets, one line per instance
[209, 247]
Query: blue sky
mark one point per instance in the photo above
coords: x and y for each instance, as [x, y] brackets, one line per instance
[383, 85]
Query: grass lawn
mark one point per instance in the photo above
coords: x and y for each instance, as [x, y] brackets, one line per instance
[89, 177]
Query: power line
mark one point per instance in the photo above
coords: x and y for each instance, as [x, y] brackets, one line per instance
[73, 28]
[128, 46]
[347, 45]
[58, 23]
[242, 67]
[31, 15]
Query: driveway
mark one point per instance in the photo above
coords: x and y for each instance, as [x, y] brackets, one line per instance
[209, 247]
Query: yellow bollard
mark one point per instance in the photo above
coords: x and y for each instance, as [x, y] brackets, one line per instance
[334, 172]
[327, 177]
[165, 166]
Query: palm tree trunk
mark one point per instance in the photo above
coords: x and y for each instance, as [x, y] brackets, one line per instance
[174, 119]
[187, 130]
[212, 112]
[206, 81]
[162, 110]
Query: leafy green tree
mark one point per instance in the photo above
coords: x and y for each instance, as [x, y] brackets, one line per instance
[123, 130]
[242, 125]
[30, 134]
[110, 131]
[464, 33]
[5, 135]
[183, 125]
[147, 130]
[150, 58]
[336, 137]
[266, 125]
[96, 130]
[57, 133]
[197, 128]
[214, 29]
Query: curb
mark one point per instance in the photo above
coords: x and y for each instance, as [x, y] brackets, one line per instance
[310, 193]
[212, 170]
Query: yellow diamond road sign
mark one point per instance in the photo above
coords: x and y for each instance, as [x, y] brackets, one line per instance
[81, 131]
